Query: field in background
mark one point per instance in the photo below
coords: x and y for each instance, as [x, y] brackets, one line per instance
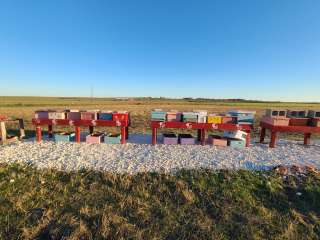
[139, 107]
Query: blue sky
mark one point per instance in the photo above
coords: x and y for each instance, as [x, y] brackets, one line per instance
[266, 49]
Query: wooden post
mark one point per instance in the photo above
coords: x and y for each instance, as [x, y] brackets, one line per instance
[3, 132]
[248, 138]
[123, 135]
[50, 131]
[199, 135]
[91, 129]
[273, 139]
[307, 137]
[127, 132]
[38, 134]
[154, 136]
[21, 128]
[203, 136]
[262, 135]
[78, 134]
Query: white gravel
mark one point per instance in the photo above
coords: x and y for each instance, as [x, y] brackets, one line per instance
[138, 156]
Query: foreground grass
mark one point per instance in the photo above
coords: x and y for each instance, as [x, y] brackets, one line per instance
[203, 204]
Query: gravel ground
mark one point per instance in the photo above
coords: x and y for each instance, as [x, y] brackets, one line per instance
[139, 156]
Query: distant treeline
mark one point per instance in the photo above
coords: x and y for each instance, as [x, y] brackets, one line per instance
[190, 99]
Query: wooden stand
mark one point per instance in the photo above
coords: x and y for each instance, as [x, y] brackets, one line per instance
[78, 124]
[201, 129]
[4, 136]
[306, 130]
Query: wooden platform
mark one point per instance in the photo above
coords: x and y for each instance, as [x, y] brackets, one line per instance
[4, 138]
[201, 127]
[306, 130]
[123, 125]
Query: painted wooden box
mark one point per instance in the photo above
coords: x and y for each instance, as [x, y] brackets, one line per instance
[95, 138]
[296, 113]
[276, 121]
[214, 119]
[228, 119]
[120, 116]
[112, 139]
[315, 122]
[202, 119]
[236, 143]
[174, 116]
[276, 113]
[186, 139]
[105, 115]
[73, 115]
[57, 115]
[158, 115]
[72, 110]
[243, 117]
[41, 114]
[314, 113]
[241, 135]
[89, 115]
[190, 117]
[64, 137]
[202, 115]
[170, 138]
[298, 121]
[217, 141]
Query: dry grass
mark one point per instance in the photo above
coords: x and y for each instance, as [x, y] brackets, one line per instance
[201, 204]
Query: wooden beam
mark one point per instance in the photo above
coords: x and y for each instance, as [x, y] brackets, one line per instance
[3, 132]
[21, 128]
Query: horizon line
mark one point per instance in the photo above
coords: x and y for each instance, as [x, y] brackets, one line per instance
[163, 97]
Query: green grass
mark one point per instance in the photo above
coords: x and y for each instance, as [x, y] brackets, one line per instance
[202, 204]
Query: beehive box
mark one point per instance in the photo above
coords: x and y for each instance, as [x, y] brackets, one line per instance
[120, 116]
[64, 137]
[95, 138]
[41, 114]
[170, 138]
[241, 135]
[190, 117]
[214, 119]
[276, 113]
[296, 113]
[243, 117]
[314, 113]
[276, 121]
[202, 119]
[217, 141]
[202, 115]
[236, 143]
[298, 121]
[105, 115]
[174, 116]
[112, 139]
[89, 115]
[57, 115]
[228, 119]
[186, 139]
[158, 115]
[315, 122]
[72, 110]
[73, 115]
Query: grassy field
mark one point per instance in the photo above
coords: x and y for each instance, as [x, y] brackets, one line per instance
[139, 107]
[202, 204]
[198, 204]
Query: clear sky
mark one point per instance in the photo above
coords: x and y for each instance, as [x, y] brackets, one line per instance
[253, 49]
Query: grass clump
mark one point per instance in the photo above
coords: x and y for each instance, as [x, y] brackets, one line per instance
[195, 204]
